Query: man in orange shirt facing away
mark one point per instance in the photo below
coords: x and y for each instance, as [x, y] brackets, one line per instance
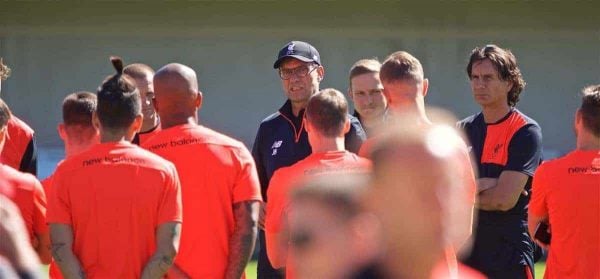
[78, 134]
[326, 122]
[220, 188]
[115, 210]
[142, 74]
[566, 194]
[27, 193]
[20, 150]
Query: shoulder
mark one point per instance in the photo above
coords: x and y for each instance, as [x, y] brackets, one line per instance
[274, 117]
[21, 180]
[470, 120]
[16, 125]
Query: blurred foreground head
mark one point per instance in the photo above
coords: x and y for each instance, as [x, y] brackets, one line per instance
[419, 192]
[330, 234]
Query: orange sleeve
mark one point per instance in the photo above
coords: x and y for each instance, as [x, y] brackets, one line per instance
[246, 186]
[537, 204]
[170, 208]
[276, 204]
[39, 209]
[59, 205]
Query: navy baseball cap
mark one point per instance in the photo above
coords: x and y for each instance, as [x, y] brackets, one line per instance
[302, 51]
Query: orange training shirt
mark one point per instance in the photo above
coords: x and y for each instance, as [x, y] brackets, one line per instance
[114, 196]
[27, 193]
[567, 191]
[19, 135]
[285, 179]
[53, 270]
[216, 172]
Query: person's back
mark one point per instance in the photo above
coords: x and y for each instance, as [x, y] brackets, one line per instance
[115, 209]
[114, 196]
[213, 170]
[566, 195]
[572, 203]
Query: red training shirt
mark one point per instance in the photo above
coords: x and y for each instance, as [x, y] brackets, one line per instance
[114, 196]
[567, 191]
[216, 172]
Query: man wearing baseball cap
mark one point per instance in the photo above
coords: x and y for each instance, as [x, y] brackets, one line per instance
[281, 139]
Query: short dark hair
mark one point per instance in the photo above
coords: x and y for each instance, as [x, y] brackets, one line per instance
[138, 70]
[364, 66]
[342, 194]
[327, 111]
[5, 114]
[118, 99]
[590, 109]
[78, 108]
[4, 70]
[401, 66]
[506, 65]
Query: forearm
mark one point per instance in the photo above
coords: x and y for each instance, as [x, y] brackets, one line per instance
[241, 246]
[158, 265]
[241, 243]
[67, 261]
[43, 248]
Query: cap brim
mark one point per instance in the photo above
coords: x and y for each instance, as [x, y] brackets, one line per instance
[301, 58]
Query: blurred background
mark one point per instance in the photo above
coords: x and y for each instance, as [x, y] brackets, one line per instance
[56, 48]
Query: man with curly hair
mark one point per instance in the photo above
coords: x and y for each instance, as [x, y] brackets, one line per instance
[507, 146]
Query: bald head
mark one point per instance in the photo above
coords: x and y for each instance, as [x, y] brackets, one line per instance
[177, 95]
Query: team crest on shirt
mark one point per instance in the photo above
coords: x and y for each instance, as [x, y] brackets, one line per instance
[275, 146]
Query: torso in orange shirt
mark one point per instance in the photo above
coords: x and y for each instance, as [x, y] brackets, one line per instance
[27, 193]
[215, 172]
[114, 196]
[567, 190]
[19, 137]
[285, 179]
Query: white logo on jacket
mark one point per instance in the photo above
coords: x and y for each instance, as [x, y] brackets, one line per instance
[276, 144]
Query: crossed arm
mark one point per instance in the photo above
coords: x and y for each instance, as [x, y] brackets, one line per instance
[501, 193]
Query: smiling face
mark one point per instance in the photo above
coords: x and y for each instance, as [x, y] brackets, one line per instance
[488, 89]
[298, 89]
[367, 94]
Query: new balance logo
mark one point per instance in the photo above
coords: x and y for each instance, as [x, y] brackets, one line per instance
[276, 144]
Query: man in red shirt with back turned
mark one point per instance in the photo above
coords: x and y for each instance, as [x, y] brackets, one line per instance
[326, 123]
[220, 188]
[566, 194]
[115, 210]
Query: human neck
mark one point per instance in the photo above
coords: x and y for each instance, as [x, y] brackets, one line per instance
[587, 141]
[74, 149]
[149, 123]
[493, 114]
[297, 107]
[371, 123]
[174, 120]
[324, 144]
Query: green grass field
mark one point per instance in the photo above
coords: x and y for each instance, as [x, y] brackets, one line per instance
[251, 270]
